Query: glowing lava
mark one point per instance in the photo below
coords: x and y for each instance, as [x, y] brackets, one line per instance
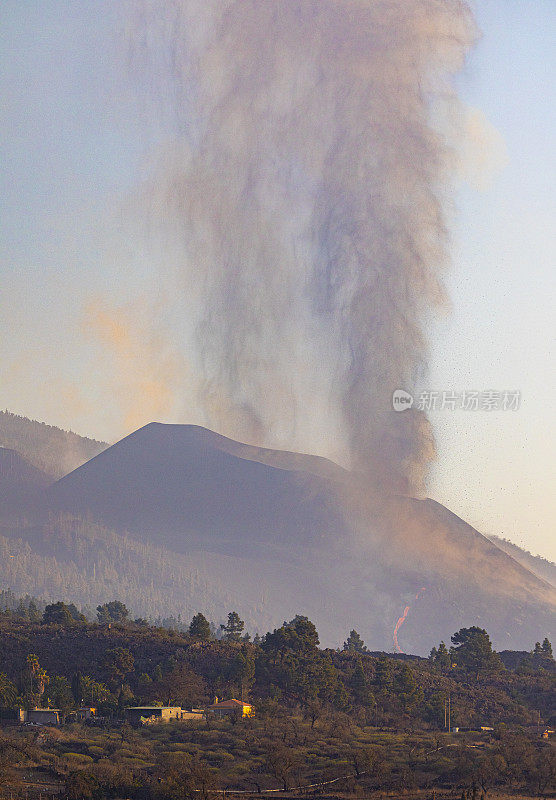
[401, 620]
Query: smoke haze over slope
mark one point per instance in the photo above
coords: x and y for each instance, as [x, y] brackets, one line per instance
[188, 490]
[300, 199]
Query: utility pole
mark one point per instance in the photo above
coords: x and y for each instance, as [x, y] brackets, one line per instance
[449, 713]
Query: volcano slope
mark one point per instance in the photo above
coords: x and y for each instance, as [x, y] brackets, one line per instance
[313, 536]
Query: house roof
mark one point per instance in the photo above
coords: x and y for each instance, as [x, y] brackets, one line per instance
[230, 704]
[45, 710]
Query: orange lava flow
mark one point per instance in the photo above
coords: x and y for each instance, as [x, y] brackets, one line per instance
[401, 620]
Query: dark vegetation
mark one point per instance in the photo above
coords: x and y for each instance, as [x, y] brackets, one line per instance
[365, 721]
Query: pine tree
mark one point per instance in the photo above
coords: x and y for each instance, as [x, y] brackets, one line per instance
[541, 657]
[359, 686]
[355, 643]
[114, 611]
[546, 649]
[441, 656]
[407, 688]
[473, 651]
[199, 628]
[234, 628]
[34, 613]
[383, 674]
[58, 614]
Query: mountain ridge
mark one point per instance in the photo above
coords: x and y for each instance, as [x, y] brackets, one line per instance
[273, 533]
[48, 448]
[186, 488]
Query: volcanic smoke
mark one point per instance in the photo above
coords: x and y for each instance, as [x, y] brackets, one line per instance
[303, 187]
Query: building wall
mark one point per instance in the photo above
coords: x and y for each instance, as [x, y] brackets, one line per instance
[246, 711]
[46, 717]
[154, 715]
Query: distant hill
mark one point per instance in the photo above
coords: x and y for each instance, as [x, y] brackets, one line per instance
[51, 450]
[87, 563]
[309, 536]
[542, 567]
[19, 479]
[181, 486]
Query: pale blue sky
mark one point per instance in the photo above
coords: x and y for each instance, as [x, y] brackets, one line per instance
[71, 144]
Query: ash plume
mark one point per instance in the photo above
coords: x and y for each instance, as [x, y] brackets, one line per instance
[303, 189]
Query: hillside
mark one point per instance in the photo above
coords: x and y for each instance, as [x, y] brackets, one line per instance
[50, 449]
[88, 563]
[542, 567]
[311, 536]
[181, 486]
[360, 723]
[19, 479]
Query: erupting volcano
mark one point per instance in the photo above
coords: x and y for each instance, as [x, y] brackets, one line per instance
[297, 211]
[285, 231]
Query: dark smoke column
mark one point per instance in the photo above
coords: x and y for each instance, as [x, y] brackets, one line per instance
[308, 185]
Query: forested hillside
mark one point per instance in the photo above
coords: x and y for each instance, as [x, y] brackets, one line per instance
[88, 563]
[363, 721]
[48, 448]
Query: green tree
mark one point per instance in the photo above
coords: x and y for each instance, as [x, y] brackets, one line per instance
[291, 661]
[245, 670]
[472, 651]
[78, 688]
[76, 615]
[119, 663]
[441, 657]
[114, 611]
[58, 693]
[8, 692]
[57, 614]
[34, 613]
[359, 686]
[199, 628]
[299, 635]
[355, 643]
[383, 674]
[541, 658]
[234, 628]
[35, 680]
[94, 692]
[179, 686]
[407, 689]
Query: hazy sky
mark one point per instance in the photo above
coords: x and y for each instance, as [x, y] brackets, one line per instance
[73, 149]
